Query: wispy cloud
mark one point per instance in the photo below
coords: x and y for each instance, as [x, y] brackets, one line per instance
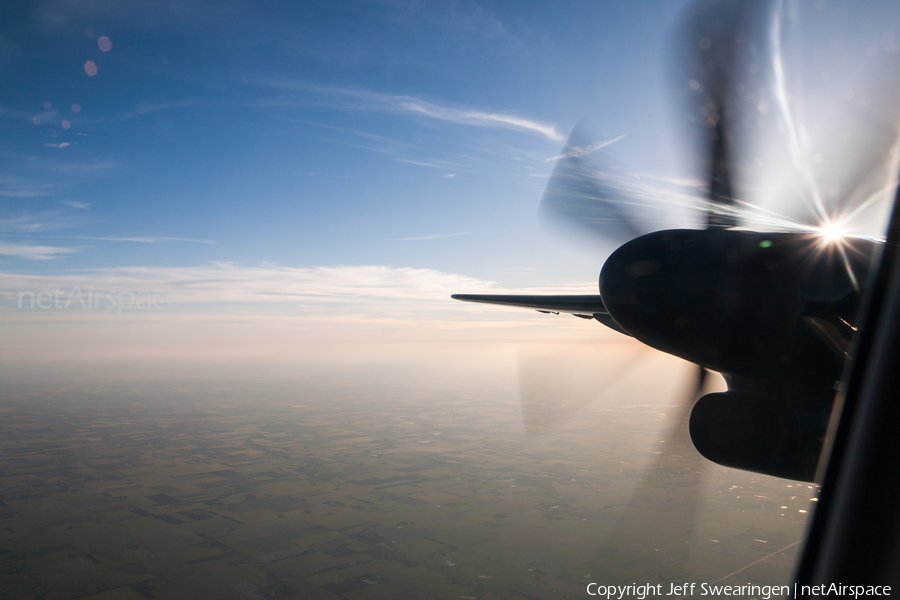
[226, 309]
[144, 239]
[364, 134]
[467, 116]
[576, 151]
[436, 164]
[34, 252]
[25, 115]
[227, 282]
[147, 108]
[17, 188]
[328, 175]
[82, 167]
[75, 204]
[433, 236]
[30, 223]
[60, 145]
[369, 100]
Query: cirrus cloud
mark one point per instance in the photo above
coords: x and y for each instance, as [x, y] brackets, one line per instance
[34, 252]
[231, 283]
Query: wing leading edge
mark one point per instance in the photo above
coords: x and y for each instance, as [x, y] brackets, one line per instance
[586, 306]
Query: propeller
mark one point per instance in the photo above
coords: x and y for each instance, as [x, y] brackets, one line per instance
[702, 79]
[667, 497]
[791, 111]
[590, 193]
[791, 118]
[555, 383]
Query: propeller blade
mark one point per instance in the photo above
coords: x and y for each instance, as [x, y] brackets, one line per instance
[720, 213]
[668, 496]
[590, 193]
[585, 191]
[556, 383]
[824, 152]
[705, 47]
[791, 113]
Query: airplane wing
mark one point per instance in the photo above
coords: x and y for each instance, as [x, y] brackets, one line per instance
[586, 307]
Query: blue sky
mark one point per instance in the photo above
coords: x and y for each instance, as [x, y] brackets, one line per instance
[406, 134]
[329, 167]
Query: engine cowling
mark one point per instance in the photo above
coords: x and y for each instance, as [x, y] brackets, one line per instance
[773, 434]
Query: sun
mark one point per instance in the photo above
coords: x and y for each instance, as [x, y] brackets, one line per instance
[832, 233]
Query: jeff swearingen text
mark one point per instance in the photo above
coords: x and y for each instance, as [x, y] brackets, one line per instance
[764, 592]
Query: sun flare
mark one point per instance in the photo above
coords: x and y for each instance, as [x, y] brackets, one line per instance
[832, 233]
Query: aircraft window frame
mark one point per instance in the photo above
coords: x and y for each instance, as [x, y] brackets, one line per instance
[854, 535]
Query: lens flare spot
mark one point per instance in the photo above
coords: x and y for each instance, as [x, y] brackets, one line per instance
[66, 124]
[104, 43]
[90, 67]
[47, 106]
[35, 120]
[76, 108]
